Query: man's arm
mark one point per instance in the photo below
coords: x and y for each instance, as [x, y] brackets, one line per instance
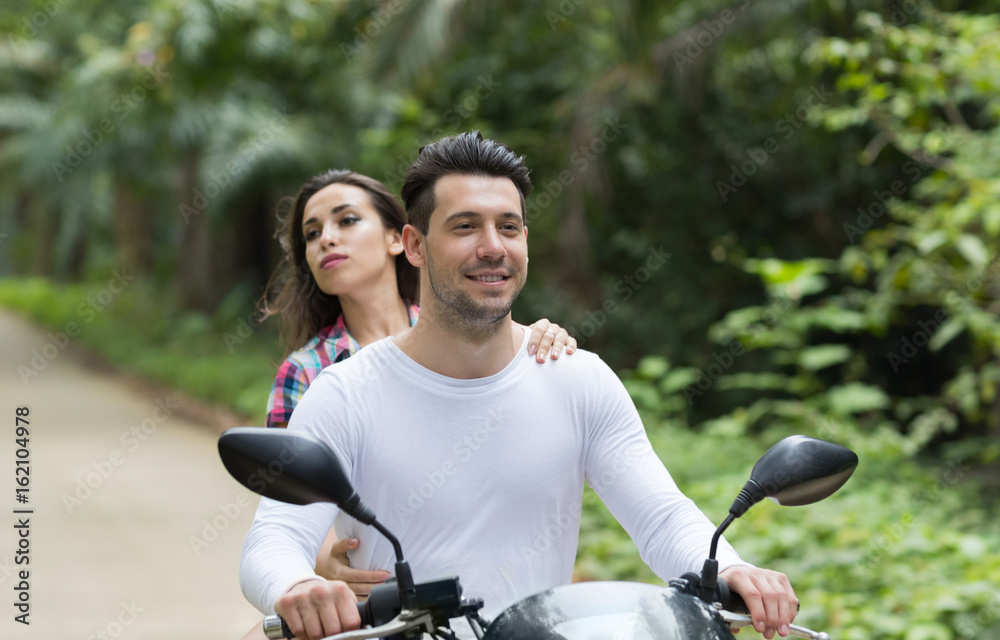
[672, 534]
[280, 549]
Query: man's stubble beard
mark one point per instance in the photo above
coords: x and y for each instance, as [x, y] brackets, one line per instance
[461, 314]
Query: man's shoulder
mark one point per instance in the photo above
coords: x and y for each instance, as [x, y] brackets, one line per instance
[581, 366]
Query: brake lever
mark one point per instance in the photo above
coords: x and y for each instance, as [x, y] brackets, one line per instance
[405, 621]
[737, 620]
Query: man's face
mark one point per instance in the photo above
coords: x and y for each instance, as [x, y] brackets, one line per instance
[476, 248]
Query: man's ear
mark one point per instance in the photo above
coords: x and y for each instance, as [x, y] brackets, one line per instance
[415, 245]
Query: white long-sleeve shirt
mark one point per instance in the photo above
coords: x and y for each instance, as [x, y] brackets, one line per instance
[478, 478]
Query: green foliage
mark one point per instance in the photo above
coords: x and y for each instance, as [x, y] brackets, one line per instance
[901, 333]
[902, 551]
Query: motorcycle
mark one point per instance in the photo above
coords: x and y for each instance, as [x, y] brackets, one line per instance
[799, 470]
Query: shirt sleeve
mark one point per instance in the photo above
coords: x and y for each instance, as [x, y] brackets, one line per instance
[672, 534]
[278, 548]
[281, 547]
[289, 384]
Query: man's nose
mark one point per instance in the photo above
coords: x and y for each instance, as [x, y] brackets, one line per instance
[491, 244]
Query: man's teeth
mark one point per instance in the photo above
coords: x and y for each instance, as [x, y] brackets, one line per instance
[488, 278]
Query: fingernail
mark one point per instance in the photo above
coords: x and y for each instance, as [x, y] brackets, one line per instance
[353, 542]
[759, 626]
[555, 354]
[531, 349]
[783, 630]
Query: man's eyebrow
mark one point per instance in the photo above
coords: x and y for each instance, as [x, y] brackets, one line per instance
[477, 215]
[335, 211]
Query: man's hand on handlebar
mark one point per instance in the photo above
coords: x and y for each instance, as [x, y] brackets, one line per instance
[315, 609]
[768, 596]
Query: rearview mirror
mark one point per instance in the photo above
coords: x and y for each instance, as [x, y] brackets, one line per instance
[290, 467]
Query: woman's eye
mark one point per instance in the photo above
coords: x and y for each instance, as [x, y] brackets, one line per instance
[309, 235]
[349, 220]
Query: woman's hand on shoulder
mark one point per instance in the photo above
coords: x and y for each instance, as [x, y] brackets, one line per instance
[548, 339]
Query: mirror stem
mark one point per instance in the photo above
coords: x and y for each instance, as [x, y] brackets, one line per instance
[710, 570]
[718, 534]
[404, 577]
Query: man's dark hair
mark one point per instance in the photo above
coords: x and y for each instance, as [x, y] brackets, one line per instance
[464, 154]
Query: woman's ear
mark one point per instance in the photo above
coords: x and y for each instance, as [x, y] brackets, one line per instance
[394, 239]
[415, 245]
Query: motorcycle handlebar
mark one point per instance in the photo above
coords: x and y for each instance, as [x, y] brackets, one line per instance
[276, 628]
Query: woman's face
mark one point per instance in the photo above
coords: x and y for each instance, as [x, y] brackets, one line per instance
[348, 250]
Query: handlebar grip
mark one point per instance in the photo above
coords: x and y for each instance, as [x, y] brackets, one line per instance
[276, 628]
[732, 601]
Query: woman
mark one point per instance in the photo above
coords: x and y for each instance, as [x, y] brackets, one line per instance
[344, 284]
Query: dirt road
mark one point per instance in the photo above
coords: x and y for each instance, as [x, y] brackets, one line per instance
[135, 528]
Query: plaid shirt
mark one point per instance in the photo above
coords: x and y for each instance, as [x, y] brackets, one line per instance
[332, 344]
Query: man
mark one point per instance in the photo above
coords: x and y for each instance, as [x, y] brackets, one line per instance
[473, 457]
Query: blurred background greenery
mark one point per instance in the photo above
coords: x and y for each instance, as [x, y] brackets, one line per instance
[770, 217]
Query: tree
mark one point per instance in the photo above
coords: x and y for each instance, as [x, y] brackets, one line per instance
[901, 330]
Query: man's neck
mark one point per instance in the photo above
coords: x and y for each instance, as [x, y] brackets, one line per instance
[442, 349]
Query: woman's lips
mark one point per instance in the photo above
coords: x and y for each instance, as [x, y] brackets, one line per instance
[332, 260]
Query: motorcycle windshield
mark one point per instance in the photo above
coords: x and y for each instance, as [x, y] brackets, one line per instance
[609, 610]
